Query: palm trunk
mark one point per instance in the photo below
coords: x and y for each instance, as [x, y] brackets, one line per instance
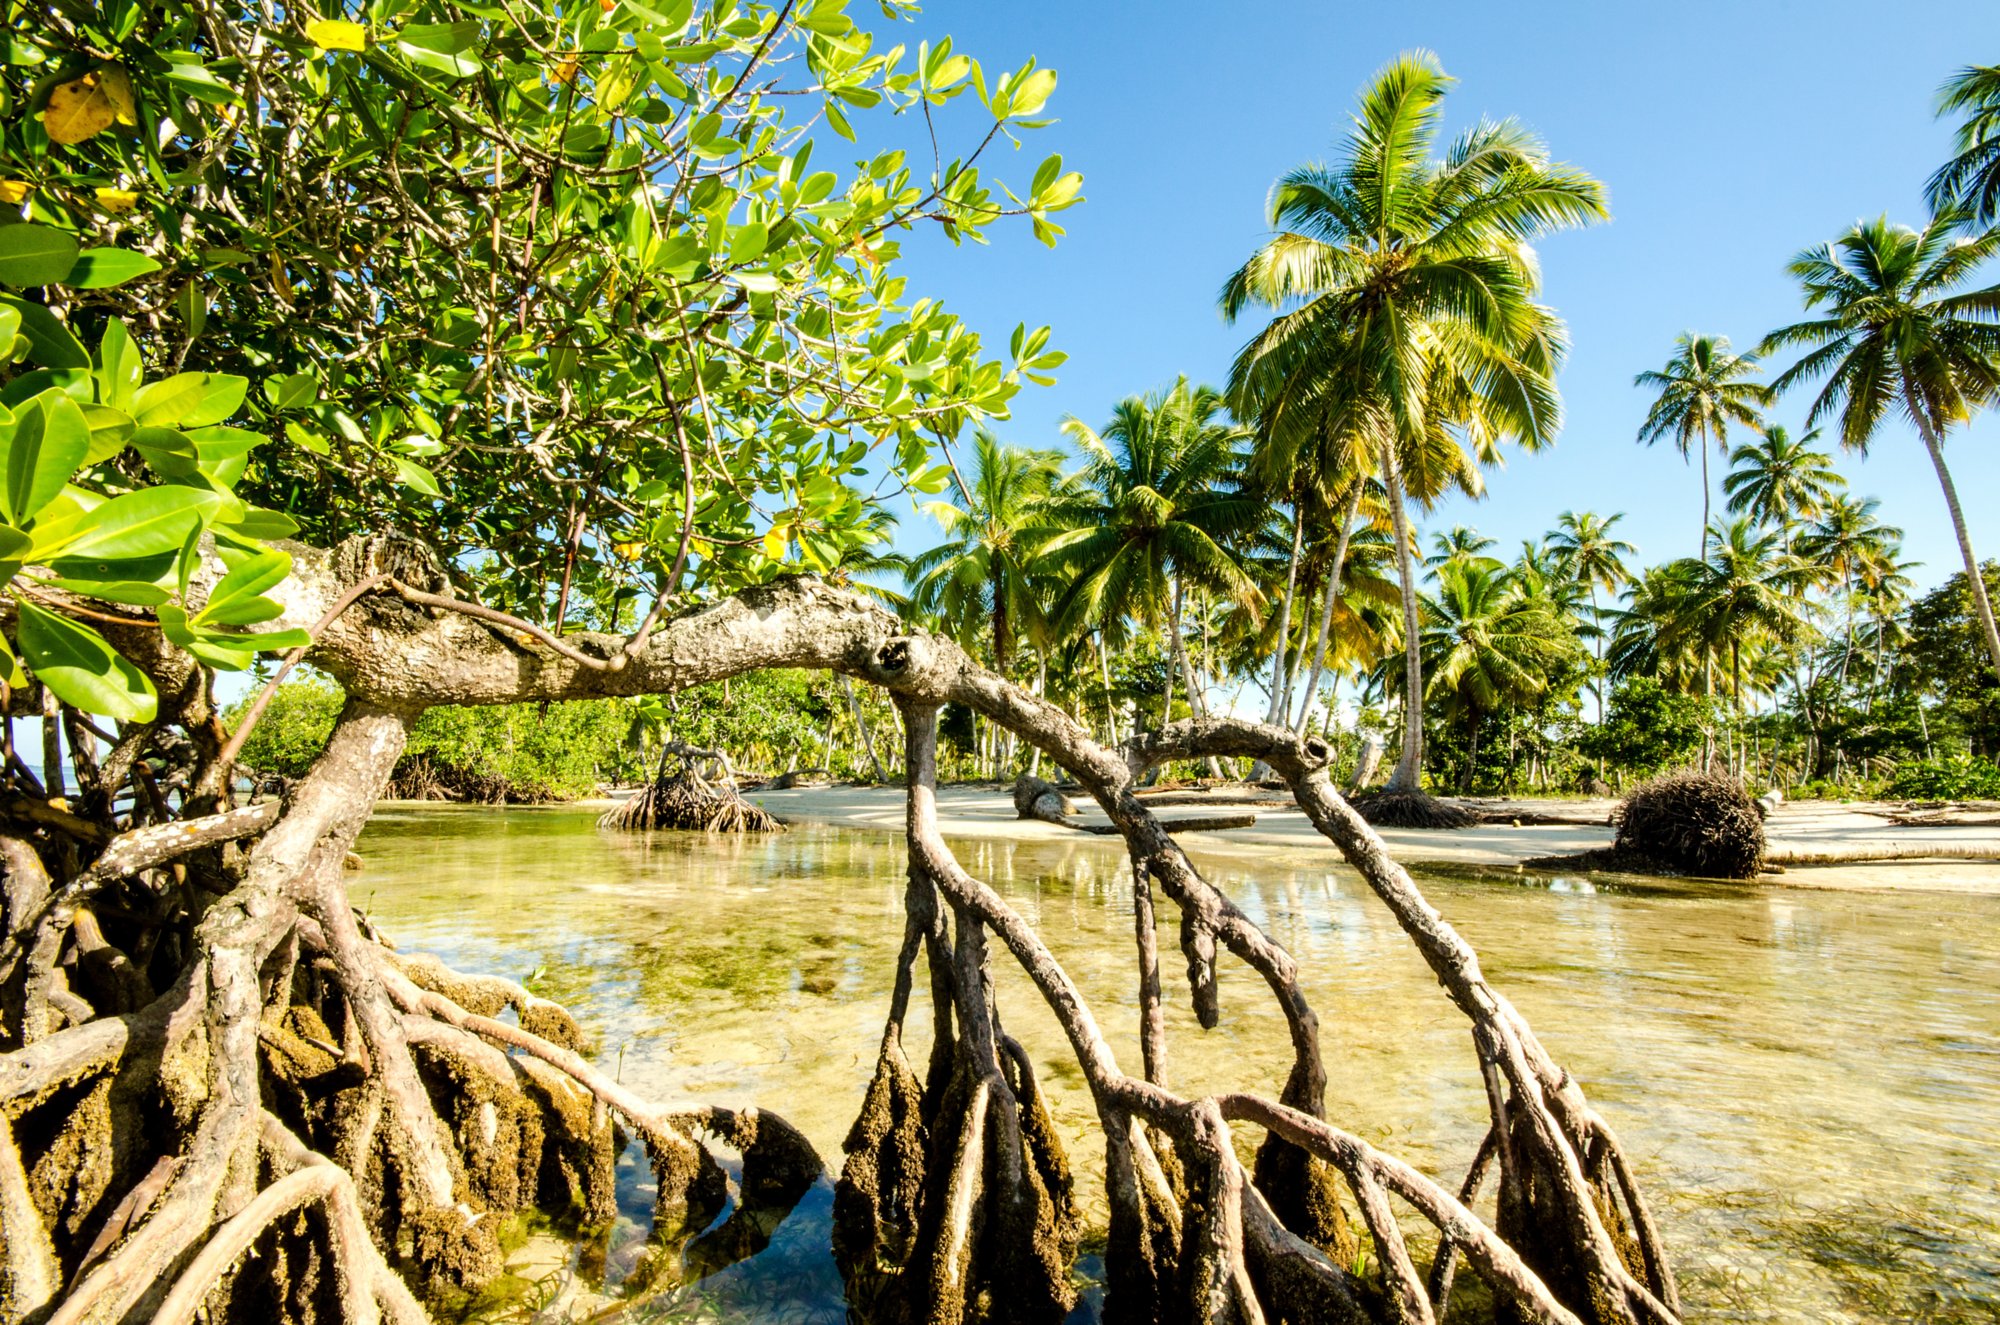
[1281, 656]
[1981, 604]
[1704, 496]
[1326, 610]
[1410, 768]
[1104, 670]
[861, 725]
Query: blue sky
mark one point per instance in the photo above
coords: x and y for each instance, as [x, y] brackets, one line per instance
[1730, 136]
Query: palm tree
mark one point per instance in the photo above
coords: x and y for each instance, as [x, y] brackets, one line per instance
[1901, 332]
[1151, 515]
[1781, 481]
[1847, 542]
[1971, 179]
[1406, 284]
[1702, 389]
[1594, 557]
[1748, 591]
[1488, 643]
[982, 577]
[1459, 544]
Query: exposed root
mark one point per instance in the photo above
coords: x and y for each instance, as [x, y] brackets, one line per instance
[690, 802]
[1412, 809]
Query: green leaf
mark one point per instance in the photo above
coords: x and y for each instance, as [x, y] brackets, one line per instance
[441, 46]
[35, 254]
[110, 429]
[73, 660]
[10, 666]
[170, 452]
[50, 343]
[189, 400]
[49, 442]
[413, 475]
[236, 600]
[134, 593]
[259, 523]
[143, 523]
[120, 366]
[223, 453]
[14, 543]
[293, 391]
[102, 268]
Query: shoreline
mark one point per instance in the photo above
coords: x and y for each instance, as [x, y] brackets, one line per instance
[1816, 845]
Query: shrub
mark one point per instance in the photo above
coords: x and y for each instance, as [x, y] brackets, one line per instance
[1963, 777]
[1693, 823]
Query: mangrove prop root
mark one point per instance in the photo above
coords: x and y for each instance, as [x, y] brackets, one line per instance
[337, 1130]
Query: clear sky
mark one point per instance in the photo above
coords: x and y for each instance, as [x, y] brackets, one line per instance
[1731, 135]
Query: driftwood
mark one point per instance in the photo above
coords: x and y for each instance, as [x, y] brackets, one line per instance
[336, 1130]
[1213, 823]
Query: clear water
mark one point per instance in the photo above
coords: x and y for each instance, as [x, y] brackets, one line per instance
[1809, 1081]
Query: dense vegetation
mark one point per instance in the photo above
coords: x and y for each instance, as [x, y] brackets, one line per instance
[559, 344]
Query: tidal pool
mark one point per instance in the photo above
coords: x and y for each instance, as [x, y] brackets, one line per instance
[1809, 1081]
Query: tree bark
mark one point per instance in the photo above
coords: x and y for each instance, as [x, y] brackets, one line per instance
[1280, 656]
[1982, 604]
[1333, 583]
[1409, 774]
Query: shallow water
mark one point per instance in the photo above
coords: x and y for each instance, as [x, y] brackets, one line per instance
[1809, 1081]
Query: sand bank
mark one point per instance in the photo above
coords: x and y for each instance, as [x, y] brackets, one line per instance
[1817, 843]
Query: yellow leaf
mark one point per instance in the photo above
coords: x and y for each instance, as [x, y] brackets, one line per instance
[332, 34]
[117, 200]
[85, 107]
[14, 192]
[565, 72]
[774, 543]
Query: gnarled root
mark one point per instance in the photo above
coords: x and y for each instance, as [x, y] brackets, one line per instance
[955, 1200]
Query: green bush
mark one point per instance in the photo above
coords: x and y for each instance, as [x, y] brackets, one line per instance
[1960, 778]
[526, 753]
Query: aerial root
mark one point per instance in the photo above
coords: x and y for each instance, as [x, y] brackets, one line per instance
[686, 800]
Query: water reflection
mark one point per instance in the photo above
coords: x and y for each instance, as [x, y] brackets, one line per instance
[1809, 1080]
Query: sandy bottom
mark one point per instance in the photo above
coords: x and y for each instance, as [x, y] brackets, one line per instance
[1852, 845]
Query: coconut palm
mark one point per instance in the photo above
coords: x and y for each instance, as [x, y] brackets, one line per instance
[1593, 557]
[1488, 643]
[1406, 283]
[1970, 181]
[1748, 590]
[983, 578]
[1902, 332]
[1152, 515]
[1780, 480]
[1847, 544]
[1459, 544]
[1702, 389]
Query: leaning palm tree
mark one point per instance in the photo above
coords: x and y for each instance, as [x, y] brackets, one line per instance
[1780, 480]
[1902, 332]
[1593, 557]
[1407, 283]
[1152, 515]
[981, 579]
[1702, 389]
[1971, 179]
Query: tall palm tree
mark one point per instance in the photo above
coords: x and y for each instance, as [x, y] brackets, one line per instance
[1594, 557]
[1781, 481]
[1152, 515]
[1846, 543]
[1407, 284]
[1970, 181]
[1702, 389]
[1901, 332]
[983, 577]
